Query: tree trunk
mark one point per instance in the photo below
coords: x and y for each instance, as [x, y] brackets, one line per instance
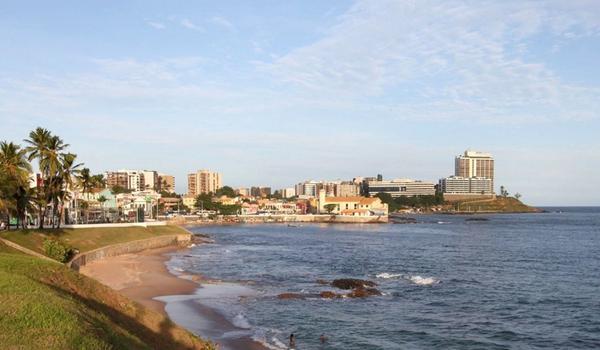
[40, 217]
[60, 215]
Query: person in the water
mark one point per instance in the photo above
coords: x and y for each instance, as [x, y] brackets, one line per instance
[292, 341]
[323, 338]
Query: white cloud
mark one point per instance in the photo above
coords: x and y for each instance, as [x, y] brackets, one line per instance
[447, 59]
[191, 25]
[156, 25]
[223, 22]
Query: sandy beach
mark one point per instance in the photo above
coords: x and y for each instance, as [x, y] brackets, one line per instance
[144, 276]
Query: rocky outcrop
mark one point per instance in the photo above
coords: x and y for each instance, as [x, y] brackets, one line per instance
[358, 289]
[291, 296]
[363, 293]
[352, 283]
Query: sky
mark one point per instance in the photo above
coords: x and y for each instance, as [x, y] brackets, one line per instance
[271, 93]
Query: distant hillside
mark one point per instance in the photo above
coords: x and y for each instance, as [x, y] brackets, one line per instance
[46, 305]
[499, 204]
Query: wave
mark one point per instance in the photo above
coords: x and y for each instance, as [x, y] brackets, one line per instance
[423, 281]
[241, 321]
[386, 275]
[415, 279]
[267, 338]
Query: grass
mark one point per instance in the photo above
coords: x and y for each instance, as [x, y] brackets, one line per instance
[86, 239]
[49, 306]
[6, 249]
[500, 204]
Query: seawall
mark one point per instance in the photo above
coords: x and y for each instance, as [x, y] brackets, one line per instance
[317, 218]
[82, 259]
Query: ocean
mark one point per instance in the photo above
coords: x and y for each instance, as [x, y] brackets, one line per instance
[513, 281]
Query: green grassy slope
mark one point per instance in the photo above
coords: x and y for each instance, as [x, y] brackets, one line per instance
[500, 204]
[48, 306]
[86, 239]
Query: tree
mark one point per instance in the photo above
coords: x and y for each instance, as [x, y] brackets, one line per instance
[69, 171]
[503, 191]
[225, 191]
[85, 180]
[14, 181]
[518, 196]
[330, 208]
[37, 149]
[47, 149]
[102, 200]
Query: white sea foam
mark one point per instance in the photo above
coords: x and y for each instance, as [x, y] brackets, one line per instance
[423, 281]
[443, 222]
[387, 275]
[241, 321]
[262, 335]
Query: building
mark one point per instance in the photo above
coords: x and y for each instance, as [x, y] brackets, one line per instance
[308, 189]
[466, 185]
[166, 183]
[129, 179]
[348, 189]
[474, 164]
[189, 201]
[243, 191]
[260, 191]
[151, 180]
[351, 206]
[135, 180]
[204, 181]
[401, 187]
[116, 178]
[288, 192]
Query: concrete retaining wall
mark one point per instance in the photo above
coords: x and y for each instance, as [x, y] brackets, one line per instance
[124, 224]
[129, 247]
[346, 219]
[318, 218]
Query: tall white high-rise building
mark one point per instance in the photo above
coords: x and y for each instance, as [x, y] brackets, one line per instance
[475, 164]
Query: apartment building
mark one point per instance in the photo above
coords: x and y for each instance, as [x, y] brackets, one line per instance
[204, 181]
[401, 187]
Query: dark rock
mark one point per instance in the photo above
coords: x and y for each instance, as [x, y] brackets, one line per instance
[352, 283]
[403, 220]
[322, 282]
[363, 293]
[329, 294]
[477, 219]
[291, 296]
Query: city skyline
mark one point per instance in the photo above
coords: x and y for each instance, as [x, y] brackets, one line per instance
[274, 94]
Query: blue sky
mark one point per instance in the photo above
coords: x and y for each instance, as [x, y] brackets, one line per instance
[271, 93]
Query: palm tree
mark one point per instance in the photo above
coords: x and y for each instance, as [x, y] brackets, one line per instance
[38, 148]
[14, 177]
[85, 180]
[102, 200]
[69, 169]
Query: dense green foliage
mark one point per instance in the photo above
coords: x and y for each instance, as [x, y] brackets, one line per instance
[226, 191]
[56, 250]
[330, 207]
[205, 202]
[411, 202]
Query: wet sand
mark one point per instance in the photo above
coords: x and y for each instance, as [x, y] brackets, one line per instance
[144, 276]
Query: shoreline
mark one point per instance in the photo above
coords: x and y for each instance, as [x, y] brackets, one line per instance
[144, 277]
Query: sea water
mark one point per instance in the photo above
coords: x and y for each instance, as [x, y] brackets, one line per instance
[514, 281]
